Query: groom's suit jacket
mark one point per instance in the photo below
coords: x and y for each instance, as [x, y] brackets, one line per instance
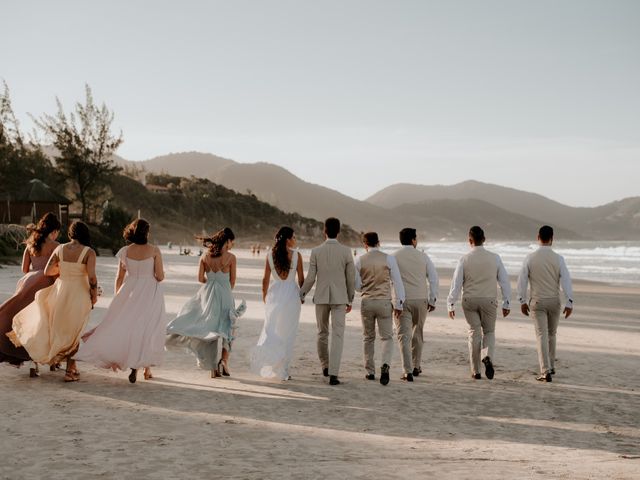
[331, 268]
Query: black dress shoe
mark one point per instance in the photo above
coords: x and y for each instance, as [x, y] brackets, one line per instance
[384, 374]
[545, 378]
[407, 377]
[370, 376]
[325, 372]
[417, 371]
[133, 375]
[333, 380]
[552, 371]
[488, 367]
[476, 376]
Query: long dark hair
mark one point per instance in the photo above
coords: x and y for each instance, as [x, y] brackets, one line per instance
[79, 231]
[38, 235]
[280, 253]
[137, 232]
[216, 242]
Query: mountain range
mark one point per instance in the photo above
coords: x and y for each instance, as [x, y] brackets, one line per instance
[437, 211]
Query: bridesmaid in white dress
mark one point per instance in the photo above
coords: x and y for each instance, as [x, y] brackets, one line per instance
[131, 334]
[281, 294]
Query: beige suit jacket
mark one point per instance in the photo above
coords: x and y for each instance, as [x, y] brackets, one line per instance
[332, 271]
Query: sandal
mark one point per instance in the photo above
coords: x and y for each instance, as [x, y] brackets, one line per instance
[147, 373]
[73, 368]
[70, 376]
[223, 369]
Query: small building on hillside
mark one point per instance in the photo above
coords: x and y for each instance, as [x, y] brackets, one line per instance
[157, 188]
[33, 202]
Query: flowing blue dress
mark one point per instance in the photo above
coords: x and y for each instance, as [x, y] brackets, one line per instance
[207, 317]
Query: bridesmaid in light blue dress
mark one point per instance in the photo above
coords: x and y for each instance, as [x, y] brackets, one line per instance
[211, 314]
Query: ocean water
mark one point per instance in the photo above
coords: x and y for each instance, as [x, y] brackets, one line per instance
[610, 262]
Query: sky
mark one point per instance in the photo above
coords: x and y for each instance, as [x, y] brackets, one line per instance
[541, 96]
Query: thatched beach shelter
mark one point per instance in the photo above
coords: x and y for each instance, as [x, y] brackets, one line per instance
[36, 199]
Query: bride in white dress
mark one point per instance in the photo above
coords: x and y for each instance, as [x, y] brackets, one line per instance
[281, 294]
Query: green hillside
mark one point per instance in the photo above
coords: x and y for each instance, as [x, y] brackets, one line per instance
[190, 206]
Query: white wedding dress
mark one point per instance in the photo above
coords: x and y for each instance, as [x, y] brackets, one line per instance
[272, 355]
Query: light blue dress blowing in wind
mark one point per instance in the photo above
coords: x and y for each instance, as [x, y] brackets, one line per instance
[205, 318]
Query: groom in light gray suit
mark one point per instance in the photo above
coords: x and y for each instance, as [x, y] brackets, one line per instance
[332, 269]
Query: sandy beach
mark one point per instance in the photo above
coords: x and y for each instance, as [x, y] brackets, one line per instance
[183, 424]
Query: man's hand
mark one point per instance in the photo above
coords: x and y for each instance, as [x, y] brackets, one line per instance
[567, 312]
[349, 308]
[431, 308]
[524, 308]
[452, 314]
[505, 312]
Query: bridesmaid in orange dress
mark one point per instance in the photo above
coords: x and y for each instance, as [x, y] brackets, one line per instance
[39, 247]
[49, 328]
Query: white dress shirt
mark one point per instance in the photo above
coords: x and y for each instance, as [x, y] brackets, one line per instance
[396, 279]
[434, 282]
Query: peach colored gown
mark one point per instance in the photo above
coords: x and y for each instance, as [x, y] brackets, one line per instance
[131, 334]
[49, 328]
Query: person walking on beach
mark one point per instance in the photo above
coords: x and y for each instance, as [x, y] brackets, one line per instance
[281, 295]
[476, 276]
[131, 334]
[38, 248]
[332, 270]
[211, 314]
[546, 272]
[49, 328]
[416, 269]
[376, 273]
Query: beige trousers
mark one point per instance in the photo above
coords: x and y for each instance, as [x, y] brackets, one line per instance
[481, 314]
[330, 358]
[381, 312]
[546, 317]
[409, 330]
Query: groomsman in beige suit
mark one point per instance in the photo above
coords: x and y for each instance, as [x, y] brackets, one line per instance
[546, 271]
[416, 268]
[376, 273]
[477, 276]
[332, 270]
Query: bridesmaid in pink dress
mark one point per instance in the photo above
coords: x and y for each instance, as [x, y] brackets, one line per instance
[131, 335]
[39, 247]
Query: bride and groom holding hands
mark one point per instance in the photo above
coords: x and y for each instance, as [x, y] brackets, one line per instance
[332, 270]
